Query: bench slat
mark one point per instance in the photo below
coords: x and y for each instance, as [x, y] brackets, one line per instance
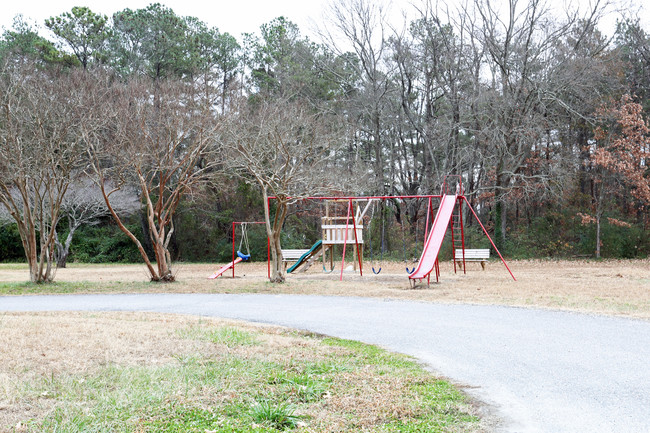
[292, 255]
[473, 255]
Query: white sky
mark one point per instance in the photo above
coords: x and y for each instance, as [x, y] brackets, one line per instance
[234, 17]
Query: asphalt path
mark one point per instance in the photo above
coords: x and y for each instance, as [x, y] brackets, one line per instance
[541, 371]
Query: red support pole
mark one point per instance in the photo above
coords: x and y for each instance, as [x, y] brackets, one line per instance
[453, 244]
[233, 249]
[268, 256]
[488, 236]
[462, 231]
[345, 238]
[356, 240]
[437, 269]
[366, 197]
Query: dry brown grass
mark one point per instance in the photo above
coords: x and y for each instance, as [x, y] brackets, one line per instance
[617, 287]
[37, 346]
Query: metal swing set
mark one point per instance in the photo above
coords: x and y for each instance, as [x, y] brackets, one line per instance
[348, 230]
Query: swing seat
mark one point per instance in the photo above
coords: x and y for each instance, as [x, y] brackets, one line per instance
[376, 272]
[410, 271]
[244, 257]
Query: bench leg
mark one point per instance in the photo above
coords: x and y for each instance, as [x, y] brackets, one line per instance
[483, 264]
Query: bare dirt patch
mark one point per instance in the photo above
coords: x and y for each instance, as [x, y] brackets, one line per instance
[618, 287]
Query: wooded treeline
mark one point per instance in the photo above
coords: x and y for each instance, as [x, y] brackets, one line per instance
[173, 129]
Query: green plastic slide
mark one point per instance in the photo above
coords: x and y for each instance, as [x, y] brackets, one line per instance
[302, 258]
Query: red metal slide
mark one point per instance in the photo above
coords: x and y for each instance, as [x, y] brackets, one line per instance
[224, 268]
[436, 236]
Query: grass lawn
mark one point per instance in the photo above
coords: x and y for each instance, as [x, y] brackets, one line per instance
[615, 287]
[137, 372]
[127, 372]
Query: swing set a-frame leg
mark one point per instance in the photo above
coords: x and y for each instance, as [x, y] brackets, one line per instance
[489, 238]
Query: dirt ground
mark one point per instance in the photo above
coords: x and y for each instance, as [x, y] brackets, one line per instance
[615, 287]
[35, 347]
[47, 358]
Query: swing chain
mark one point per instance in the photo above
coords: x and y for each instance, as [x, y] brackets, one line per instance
[244, 241]
[408, 271]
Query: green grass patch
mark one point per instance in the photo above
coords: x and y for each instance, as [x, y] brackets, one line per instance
[241, 380]
[17, 266]
[374, 355]
[27, 288]
[277, 415]
[228, 335]
[66, 287]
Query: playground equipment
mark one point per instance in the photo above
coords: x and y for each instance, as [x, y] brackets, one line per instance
[404, 218]
[244, 241]
[224, 268]
[429, 258]
[451, 197]
[307, 258]
[381, 244]
[337, 230]
[240, 255]
[408, 271]
[348, 230]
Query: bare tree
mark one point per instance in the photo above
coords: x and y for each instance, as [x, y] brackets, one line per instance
[158, 138]
[361, 25]
[41, 150]
[436, 62]
[285, 147]
[83, 204]
[524, 85]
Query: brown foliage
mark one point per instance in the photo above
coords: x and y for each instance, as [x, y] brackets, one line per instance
[625, 146]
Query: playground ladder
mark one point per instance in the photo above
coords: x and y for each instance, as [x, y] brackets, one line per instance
[457, 235]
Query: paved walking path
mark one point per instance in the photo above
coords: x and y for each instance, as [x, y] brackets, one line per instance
[543, 371]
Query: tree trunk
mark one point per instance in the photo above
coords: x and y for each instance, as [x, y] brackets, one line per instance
[32, 259]
[500, 212]
[273, 232]
[277, 270]
[597, 236]
[125, 230]
[599, 214]
[163, 258]
[379, 160]
[60, 253]
[62, 250]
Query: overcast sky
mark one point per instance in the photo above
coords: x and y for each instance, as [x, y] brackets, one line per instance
[232, 16]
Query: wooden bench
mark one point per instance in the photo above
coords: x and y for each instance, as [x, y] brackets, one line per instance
[289, 256]
[477, 255]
